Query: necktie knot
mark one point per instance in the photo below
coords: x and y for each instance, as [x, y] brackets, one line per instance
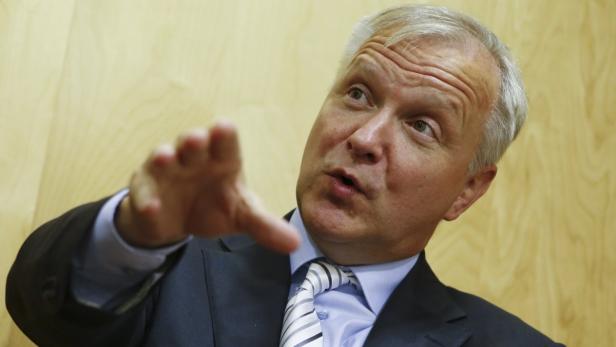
[301, 326]
[323, 276]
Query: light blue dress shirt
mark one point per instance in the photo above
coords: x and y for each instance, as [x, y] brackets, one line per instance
[348, 314]
[106, 268]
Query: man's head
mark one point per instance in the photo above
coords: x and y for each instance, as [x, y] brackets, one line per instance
[424, 104]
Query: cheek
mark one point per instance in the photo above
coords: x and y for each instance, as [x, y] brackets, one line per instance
[319, 143]
[422, 183]
[408, 168]
[324, 137]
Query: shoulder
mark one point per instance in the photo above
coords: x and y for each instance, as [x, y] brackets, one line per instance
[493, 326]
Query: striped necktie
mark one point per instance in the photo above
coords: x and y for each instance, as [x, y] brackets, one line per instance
[301, 326]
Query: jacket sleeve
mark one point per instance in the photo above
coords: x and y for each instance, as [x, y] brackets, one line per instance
[39, 299]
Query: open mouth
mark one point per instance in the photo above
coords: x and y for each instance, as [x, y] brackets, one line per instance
[346, 180]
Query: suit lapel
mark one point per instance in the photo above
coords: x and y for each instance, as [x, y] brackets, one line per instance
[420, 312]
[248, 289]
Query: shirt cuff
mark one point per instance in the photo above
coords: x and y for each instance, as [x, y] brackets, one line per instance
[118, 255]
[106, 265]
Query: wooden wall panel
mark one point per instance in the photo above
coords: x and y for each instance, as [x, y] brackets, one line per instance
[88, 87]
[33, 37]
[540, 242]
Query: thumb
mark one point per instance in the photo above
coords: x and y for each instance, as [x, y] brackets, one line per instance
[266, 229]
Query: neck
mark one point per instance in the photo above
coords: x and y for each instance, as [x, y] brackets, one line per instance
[354, 254]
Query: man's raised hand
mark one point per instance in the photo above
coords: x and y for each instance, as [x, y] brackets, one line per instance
[194, 188]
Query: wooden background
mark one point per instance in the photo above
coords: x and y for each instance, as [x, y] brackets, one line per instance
[88, 87]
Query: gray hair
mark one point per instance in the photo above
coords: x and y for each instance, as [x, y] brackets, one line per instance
[416, 21]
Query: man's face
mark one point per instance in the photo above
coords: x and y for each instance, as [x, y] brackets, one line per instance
[388, 154]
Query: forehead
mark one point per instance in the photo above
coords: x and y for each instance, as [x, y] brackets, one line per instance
[463, 69]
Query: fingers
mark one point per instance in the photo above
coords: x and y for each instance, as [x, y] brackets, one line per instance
[268, 230]
[163, 156]
[224, 142]
[143, 188]
[144, 193]
[215, 150]
[192, 147]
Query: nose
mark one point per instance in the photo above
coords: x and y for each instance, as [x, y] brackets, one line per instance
[369, 141]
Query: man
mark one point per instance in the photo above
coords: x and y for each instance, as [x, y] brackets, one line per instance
[425, 103]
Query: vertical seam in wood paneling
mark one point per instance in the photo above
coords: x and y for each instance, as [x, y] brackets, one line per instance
[70, 25]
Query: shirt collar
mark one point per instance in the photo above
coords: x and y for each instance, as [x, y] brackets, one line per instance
[377, 281]
[307, 250]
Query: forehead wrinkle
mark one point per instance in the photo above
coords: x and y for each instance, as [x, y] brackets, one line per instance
[471, 72]
[372, 65]
[425, 68]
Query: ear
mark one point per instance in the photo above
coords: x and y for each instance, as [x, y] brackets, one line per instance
[476, 185]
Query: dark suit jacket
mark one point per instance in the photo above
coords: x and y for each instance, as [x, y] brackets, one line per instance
[229, 293]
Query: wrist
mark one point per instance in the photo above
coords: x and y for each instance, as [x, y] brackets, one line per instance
[134, 233]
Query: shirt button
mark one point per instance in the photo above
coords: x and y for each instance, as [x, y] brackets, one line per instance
[322, 315]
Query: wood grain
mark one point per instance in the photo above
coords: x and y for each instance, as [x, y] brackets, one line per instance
[88, 87]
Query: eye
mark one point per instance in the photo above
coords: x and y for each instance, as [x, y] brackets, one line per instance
[423, 127]
[357, 95]
[420, 126]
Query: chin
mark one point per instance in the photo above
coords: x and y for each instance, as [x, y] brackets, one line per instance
[326, 222]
